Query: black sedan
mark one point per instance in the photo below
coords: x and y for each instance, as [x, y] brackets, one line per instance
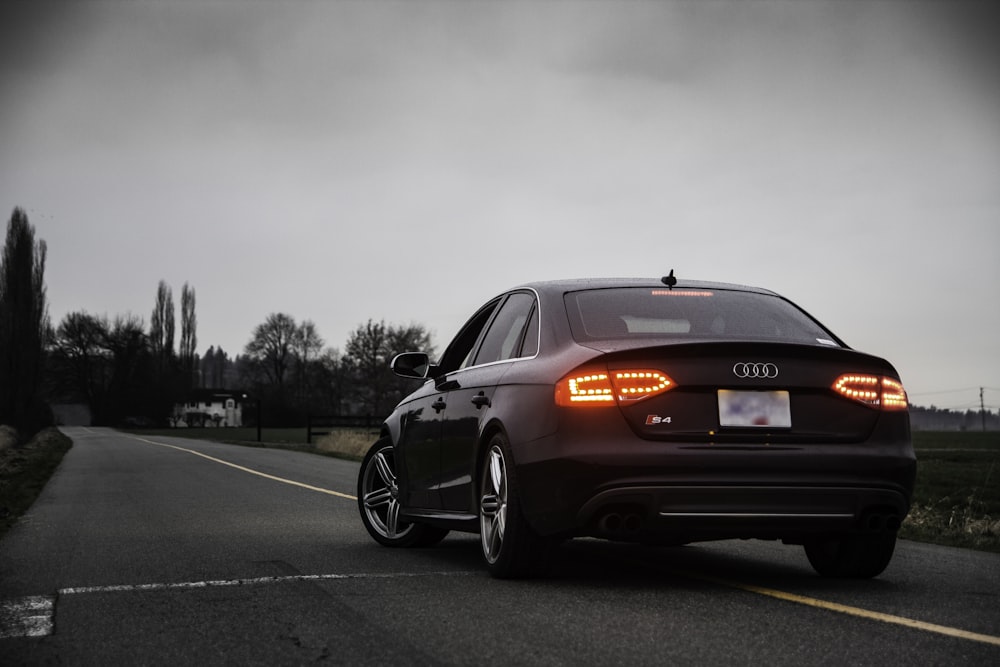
[657, 411]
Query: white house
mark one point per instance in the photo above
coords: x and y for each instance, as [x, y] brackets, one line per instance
[210, 407]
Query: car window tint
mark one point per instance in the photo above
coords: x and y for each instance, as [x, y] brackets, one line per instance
[459, 352]
[689, 313]
[529, 347]
[503, 339]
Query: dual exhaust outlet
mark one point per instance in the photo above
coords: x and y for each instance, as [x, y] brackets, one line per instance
[878, 522]
[613, 523]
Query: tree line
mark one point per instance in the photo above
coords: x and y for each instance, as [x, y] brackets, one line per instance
[287, 366]
[121, 371]
[126, 372]
[943, 419]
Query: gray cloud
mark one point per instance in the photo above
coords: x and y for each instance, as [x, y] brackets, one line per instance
[340, 161]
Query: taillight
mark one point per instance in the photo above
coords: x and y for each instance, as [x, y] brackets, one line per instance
[596, 388]
[585, 389]
[877, 391]
[632, 386]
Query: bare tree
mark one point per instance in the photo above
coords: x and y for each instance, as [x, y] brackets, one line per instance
[270, 348]
[369, 351]
[24, 323]
[307, 343]
[125, 346]
[306, 348]
[78, 357]
[331, 383]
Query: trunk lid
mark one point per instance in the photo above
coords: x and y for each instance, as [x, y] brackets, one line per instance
[746, 393]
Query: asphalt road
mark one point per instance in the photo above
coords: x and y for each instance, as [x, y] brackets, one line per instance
[145, 551]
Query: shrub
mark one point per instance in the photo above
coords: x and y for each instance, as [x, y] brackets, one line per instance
[349, 443]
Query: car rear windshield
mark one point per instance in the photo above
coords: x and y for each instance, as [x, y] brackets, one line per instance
[690, 313]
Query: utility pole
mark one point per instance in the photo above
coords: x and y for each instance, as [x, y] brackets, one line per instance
[982, 408]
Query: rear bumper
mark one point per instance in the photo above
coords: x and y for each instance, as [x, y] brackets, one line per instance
[603, 481]
[692, 513]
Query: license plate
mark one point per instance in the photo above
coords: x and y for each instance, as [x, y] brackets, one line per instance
[754, 409]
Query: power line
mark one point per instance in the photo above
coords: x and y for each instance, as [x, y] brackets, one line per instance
[946, 391]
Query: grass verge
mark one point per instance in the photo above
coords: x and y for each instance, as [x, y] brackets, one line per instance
[24, 472]
[956, 501]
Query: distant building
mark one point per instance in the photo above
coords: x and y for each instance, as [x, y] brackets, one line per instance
[210, 407]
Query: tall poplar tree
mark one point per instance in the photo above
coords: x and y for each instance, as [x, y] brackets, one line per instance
[161, 327]
[189, 337]
[24, 323]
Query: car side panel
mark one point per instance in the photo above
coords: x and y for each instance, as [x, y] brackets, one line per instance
[462, 425]
[417, 447]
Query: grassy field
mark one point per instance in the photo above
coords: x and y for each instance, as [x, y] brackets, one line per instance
[957, 495]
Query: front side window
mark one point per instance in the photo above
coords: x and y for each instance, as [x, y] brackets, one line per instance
[690, 313]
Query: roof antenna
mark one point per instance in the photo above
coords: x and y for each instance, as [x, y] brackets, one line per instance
[669, 281]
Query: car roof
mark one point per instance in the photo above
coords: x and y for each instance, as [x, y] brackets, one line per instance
[553, 287]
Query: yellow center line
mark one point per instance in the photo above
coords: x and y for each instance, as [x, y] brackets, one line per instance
[249, 470]
[847, 609]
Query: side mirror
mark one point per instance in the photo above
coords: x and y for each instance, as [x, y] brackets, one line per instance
[416, 365]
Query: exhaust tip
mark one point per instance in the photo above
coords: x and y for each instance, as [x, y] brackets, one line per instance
[876, 522]
[611, 522]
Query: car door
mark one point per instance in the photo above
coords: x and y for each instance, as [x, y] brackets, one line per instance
[470, 396]
[418, 448]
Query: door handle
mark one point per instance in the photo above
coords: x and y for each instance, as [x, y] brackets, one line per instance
[439, 405]
[481, 399]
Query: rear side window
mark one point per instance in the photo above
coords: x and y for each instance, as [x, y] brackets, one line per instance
[690, 313]
[459, 352]
[503, 340]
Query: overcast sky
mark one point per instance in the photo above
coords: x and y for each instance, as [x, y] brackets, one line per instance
[340, 161]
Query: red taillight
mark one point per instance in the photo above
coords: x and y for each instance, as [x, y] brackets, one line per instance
[585, 389]
[596, 388]
[631, 386]
[877, 391]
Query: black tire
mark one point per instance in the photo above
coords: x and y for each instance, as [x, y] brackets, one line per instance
[510, 547]
[851, 556]
[379, 505]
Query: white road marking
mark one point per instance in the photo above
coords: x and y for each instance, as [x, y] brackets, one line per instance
[292, 482]
[34, 616]
[27, 617]
[126, 588]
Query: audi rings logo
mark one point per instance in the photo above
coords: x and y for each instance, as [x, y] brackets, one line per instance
[753, 369]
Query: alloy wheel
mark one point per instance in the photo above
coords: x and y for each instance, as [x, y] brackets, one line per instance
[380, 496]
[493, 505]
